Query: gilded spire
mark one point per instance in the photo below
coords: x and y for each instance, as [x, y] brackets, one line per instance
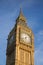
[21, 16]
[21, 12]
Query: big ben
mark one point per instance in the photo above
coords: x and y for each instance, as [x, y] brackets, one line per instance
[20, 43]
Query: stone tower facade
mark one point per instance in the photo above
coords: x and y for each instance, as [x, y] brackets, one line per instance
[20, 44]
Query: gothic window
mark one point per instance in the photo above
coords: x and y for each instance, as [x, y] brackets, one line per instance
[27, 58]
[21, 56]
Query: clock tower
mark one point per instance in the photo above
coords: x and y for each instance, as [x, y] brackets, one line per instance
[20, 43]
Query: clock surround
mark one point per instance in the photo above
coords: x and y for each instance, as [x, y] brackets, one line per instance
[26, 33]
[11, 39]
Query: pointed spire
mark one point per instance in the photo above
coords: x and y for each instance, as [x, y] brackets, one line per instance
[20, 10]
[21, 16]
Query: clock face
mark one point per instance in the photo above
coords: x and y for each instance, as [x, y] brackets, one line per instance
[11, 39]
[25, 38]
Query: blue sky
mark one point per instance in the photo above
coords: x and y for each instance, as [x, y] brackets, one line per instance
[33, 11]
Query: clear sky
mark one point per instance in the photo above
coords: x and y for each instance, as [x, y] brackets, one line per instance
[33, 11]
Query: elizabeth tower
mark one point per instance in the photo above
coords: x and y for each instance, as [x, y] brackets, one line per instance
[20, 44]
